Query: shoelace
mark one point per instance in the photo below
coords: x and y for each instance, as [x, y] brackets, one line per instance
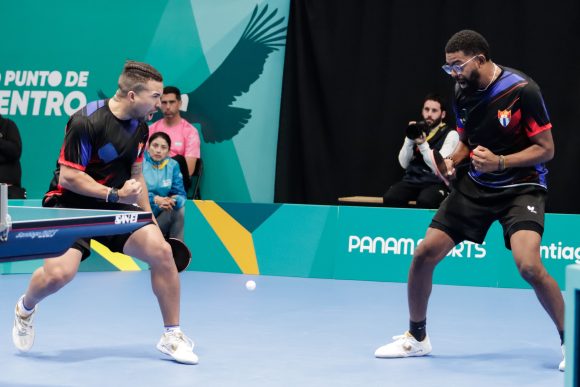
[406, 338]
[179, 337]
[403, 336]
[25, 323]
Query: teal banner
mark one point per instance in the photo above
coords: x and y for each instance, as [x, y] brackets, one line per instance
[226, 57]
[378, 244]
[362, 243]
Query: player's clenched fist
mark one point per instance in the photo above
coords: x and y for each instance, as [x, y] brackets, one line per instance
[130, 191]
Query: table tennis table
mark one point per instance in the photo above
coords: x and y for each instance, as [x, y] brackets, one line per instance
[37, 232]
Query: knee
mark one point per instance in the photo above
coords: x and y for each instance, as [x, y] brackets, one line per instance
[424, 257]
[532, 273]
[59, 277]
[162, 255]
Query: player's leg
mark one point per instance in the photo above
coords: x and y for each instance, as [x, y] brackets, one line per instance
[523, 225]
[525, 245]
[148, 244]
[46, 280]
[428, 254]
[458, 218]
[52, 276]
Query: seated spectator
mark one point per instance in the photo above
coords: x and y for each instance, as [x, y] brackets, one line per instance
[185, 141]
[419, 183]
[165, 186]
[10, 152]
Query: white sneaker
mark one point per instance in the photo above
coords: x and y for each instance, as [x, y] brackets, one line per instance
[562, 365]
[23, 331]
[404, 345]
[178, 346]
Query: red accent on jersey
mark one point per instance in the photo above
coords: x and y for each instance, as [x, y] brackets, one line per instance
[532, 127]
[515, 119]
[62, 161]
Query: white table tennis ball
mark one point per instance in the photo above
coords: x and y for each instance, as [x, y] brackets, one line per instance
[250, 285]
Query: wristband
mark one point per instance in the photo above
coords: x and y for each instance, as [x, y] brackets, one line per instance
[501, 163]
[113, 195]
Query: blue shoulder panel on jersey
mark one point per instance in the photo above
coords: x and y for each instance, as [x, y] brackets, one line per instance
[507, 80]
[94, 106]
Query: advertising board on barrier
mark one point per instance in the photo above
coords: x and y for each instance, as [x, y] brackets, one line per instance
[355, 243]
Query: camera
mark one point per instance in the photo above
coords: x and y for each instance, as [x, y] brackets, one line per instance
[417, 129]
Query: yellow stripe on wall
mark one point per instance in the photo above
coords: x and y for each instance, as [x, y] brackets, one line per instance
[236, 239]
[120, 261]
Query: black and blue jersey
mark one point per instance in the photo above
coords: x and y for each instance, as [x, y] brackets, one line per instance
[502, 119]
[101, 145]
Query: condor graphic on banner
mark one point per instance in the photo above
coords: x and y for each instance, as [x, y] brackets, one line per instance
[210, 104]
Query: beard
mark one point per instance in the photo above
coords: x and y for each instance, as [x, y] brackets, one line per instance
[470, 84]
[435, 123]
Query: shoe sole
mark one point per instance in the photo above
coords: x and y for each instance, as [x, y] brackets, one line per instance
[403, 356]
[162, 349]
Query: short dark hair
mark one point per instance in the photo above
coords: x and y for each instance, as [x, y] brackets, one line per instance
[437, 98]
[172, 90]
[470, 42]
[135, 75]
[163, 135]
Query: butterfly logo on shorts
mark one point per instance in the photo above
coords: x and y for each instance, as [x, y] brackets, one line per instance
[504, 117]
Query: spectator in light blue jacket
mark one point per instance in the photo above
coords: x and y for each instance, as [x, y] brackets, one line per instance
[165, 184]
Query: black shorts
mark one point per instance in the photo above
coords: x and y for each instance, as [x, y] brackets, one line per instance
[465, 217]
[115, 243]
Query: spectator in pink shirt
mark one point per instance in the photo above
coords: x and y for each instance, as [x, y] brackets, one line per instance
[185, 144]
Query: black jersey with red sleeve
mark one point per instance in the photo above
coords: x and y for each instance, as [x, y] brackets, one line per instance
[503, 118]
[101, 145]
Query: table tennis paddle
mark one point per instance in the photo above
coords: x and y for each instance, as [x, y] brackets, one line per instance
[181, 253]
[440, 166]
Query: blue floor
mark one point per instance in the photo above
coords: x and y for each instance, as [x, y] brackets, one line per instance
[101, 330]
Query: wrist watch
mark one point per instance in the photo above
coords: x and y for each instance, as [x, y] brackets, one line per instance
[113, 196]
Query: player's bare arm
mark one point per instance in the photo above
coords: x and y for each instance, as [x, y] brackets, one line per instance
[541, 150]
[79, 182]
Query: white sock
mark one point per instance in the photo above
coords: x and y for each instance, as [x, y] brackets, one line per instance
[172, 329]
[22, 309]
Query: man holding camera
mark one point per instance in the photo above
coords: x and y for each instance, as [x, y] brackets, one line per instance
[419, 182]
